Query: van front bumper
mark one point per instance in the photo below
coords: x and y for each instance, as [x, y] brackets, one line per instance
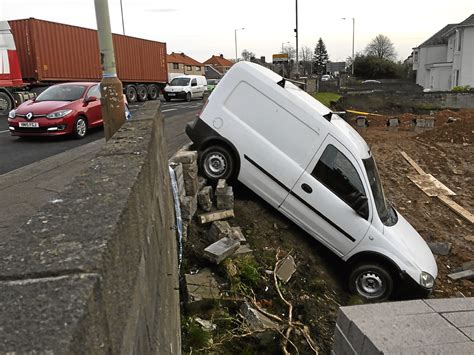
[175, 95]
[199, 132]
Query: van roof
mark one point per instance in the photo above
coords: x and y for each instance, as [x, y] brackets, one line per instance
[305, 103]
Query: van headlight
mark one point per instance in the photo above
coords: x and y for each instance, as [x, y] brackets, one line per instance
[12, 114]
[426, 280]
[58, 114]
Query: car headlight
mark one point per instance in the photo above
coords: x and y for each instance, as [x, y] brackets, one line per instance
[58, 114]
[426, 280]
[12, 114]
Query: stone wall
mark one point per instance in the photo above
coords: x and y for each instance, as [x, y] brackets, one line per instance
[96, 270]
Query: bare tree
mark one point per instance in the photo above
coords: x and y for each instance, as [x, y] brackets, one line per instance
[306, 55]
[290, 50]
[381, 47]
[247, 55]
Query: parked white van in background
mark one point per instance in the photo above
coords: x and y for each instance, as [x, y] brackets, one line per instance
[186, 87]
[313, 167]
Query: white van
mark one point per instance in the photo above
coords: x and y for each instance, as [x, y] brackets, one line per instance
[186, 87]
[313, 167]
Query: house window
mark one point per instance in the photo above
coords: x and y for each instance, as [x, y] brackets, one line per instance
[459, 35]
[189, 67]
[175, 66]
[198, 68]
[456, 78]
[415, 56]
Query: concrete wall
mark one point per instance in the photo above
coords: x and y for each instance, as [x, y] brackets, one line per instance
[407, 102]
[433, 326]
[96, 270]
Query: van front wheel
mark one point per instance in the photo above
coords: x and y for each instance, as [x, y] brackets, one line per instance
[372, 282]
[216, 163]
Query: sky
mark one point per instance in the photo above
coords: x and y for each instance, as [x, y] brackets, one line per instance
[205, 27]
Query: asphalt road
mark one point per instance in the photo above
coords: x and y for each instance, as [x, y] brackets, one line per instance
[17, 152]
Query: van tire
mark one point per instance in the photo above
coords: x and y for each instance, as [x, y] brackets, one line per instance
[188, 97]
[216, 162]
[373, 282]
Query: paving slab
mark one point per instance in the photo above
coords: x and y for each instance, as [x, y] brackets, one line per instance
[451, 304]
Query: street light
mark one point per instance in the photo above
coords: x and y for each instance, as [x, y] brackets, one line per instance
[123, 23]
[296, 35]
[353, 31]
[235, 36]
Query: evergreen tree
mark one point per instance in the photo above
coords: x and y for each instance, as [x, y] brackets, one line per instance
[320, 57]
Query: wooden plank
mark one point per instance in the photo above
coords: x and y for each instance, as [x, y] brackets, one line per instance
[430, 185]
[412, 163]
[467, 274]
[215, 216]
[457, 208]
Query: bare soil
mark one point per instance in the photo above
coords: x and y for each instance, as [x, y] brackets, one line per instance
[318, 288]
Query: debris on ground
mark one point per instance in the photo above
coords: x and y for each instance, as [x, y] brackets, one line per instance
[286, 269]
[440, 248]
[215, 216]
[218, 251]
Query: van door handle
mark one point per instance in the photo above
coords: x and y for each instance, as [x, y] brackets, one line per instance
[306, 188]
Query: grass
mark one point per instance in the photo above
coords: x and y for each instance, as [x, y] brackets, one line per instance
[326, 97]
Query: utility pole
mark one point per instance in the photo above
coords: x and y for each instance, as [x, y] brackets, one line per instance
[235, 38]
[296, 35]
[353, 38]
[112, 102]
[123, 23]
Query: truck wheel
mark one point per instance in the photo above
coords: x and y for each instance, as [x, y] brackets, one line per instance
[188, 97]
[372, 282]
[131, 93]
[216, 162]
[79, 130]
[6, 104]
[142, 93]
[153, 92]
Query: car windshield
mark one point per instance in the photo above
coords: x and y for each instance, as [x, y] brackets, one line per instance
[384, 209]
[62, 93]
[179, 82]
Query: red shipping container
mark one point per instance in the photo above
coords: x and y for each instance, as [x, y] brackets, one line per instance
[54, 52]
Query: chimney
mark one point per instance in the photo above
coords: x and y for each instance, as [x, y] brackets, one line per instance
[221, 55]
[262, 58]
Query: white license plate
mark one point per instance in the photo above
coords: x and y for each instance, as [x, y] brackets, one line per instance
[170, 94]
[29, 124]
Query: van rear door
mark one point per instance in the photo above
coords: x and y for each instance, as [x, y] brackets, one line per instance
[323, 200]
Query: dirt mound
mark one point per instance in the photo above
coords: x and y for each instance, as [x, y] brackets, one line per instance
[452, 127]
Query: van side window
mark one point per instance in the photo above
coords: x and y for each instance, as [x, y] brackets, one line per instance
[193, 82]
[338, 174]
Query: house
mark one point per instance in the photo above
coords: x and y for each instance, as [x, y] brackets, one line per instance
[219, 65]
[180, 63]
[446, 59]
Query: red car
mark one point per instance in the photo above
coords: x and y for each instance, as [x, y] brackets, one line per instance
[61, 109]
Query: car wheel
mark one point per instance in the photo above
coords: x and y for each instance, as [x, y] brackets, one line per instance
[142, 93]
[216, 162]
[188, 97]
[80, 128]
[6, 104]
[372, 282]
[153, 92]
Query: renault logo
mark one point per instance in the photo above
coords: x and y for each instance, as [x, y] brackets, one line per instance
[29, 115]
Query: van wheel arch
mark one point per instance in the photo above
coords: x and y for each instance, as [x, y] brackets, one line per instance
[221, 142]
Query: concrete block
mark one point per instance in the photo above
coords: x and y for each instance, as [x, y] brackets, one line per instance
[221, 185]
[341, 345]
[361, 121]
[190, 174]
[394, 122]
[219, 229]
[202, 286]
[215, 216]
[221, 249]
[451, 304]
[460, 319]
[225, 198]
[236, 233]
[255, 319]
[439, 349]
[185, 157]
[188, 206]
[205, 198]
[465, 274]
[243, 249]
[440, 248]
[202, 182]
[286, 268]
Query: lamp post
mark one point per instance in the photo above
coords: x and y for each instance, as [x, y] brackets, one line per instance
[353, 34]
[235, 37]
[296, 35]
[123, 23]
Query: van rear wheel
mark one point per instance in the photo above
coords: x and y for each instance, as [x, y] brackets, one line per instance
[188, 97]
[373, 282]
[216, 162]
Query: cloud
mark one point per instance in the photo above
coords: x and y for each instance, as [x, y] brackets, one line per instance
[162, 10]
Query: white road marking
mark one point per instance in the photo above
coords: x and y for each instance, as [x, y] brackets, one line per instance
[5, 131]
[170, 109]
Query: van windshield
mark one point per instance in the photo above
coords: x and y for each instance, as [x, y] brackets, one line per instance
[180, 82]
[386, 212]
